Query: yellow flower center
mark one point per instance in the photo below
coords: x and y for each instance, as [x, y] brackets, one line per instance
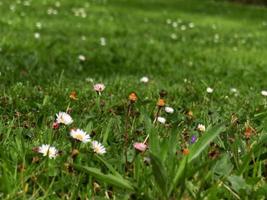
[97, 149]
[79, 137]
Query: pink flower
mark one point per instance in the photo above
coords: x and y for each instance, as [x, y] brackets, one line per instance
[55, 125]
[140, 146]
[99, 87]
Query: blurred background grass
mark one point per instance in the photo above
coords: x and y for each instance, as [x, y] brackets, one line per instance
[227, 40]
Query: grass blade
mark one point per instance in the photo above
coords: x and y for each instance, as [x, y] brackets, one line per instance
[159, 173]
[106, 178]
[109, 166]
[178, 175]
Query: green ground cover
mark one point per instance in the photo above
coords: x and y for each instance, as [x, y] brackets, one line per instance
[49, 49]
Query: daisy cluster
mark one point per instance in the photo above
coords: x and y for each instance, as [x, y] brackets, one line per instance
[162, 109]
[79, 135]
[159, 116]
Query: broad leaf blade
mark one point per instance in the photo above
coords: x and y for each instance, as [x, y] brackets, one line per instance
[203, 142]
[109, 166]
[159, 173]
[106, 178]
[178, 175]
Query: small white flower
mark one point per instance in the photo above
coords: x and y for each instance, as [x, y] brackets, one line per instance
[83, 38]
[201, 127]
[99, 87]
[37, 35]
[191, 25]
[174, 24]
[216, 36]
[233, 90]
[264, 92]
[81, 57]
[89, 80]
[173, 36]
[12, 7]
[161, 120]
[38, 25]
[169, 109]
[51, 11]
[168, 21]
[183, 27]
[209, 90]
[26, 3]
[103, 41]
[48, 150]
[80, 135]
[144, 79]
[98, 147]
[57, 4]
[64, 118]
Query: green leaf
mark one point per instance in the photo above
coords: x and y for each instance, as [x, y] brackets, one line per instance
[263, 138]
[106, 178]
[178, 175]
[159, 173]
[257, 147]
[203, 142]
[237, 183]
[113, 171]
[223, 167]
[107, 131]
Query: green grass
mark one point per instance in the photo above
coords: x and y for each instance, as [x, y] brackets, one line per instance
[225, 49]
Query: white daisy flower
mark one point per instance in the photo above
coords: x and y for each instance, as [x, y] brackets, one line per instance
[64, 118]
[168, 21]
[12, 8]
[183, 27]
[48, 150]
[103, 41]
[98, 147]
[216, 36]
[38, 25]
[161, 120]
[201, 127]
[99, 87]
[209, 90]
[144, 79]
[191, 25]
[233, 90]
[264, 92]
[81, 57]
[83, 38]
[57, 4]
[37, 35]
[173, 36]
[89, 80]
[169, 109]
[80, 135]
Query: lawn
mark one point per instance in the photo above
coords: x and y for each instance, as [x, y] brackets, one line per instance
[206, 60]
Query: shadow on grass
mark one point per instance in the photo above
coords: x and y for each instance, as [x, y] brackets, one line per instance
[218, 8]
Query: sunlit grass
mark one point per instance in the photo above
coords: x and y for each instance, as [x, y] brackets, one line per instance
[181, 114]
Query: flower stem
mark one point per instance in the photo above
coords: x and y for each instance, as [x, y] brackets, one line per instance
[157, 115]
[126, 136]
[146, 139]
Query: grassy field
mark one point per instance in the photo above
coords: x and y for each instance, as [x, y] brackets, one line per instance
[53, 52]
